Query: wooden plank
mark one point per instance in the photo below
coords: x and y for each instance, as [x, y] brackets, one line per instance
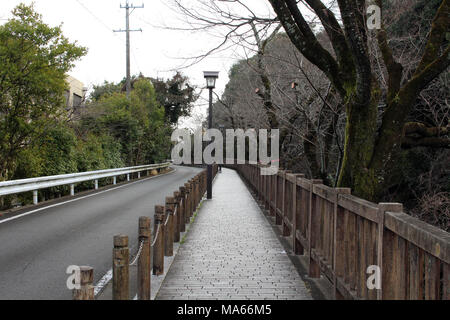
[283, 198]
[324, 266]
[347, 270]
[432, 277]
[352, 253]
[288, 224]
[324, 192]
[361, 258]
[338, 240]
[304, 212]
[311, 212]
[345, 290]
[402, 269]
[382, 208]
[293, 177]
[321, 232]
[295, 245]
[363, 208]
[339, 243]
[388, 273]
[394, 267]
[370, 253]
[304, 183]
[314, 267]
[303, 241]
[328, 216]
[429, 238]
[446, 282]
[416, 280]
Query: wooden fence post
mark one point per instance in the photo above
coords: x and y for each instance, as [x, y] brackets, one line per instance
[183, 209]
[314, 267]
[196, 192]
[192, 198]
[168, 234]
[121, 263]
[158, 249]
[177, 218]
[86, 291]
[392, 268]
[187, 207]
[144, 269]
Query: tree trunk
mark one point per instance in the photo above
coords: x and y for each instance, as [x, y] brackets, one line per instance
[359, 148]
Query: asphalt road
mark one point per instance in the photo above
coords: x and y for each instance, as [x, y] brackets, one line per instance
[36, 249]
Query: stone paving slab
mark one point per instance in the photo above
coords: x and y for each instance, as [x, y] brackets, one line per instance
[232, 252]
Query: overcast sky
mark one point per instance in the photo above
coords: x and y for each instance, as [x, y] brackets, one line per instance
[154, 51]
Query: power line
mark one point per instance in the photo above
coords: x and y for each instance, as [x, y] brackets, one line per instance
[127, 7]
[93, 15]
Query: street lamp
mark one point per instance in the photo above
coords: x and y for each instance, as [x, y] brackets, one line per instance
[211, 77]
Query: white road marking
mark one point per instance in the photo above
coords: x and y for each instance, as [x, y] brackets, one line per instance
[103, 282]
[81, 198]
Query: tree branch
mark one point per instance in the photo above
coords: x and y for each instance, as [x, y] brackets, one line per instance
[439, 29]
[334, 31]
[394, 69]
[302, 37]
[357, 38]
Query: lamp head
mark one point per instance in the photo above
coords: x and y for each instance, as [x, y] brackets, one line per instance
[211, 77]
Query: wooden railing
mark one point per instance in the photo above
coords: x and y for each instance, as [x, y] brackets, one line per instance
[348, 239]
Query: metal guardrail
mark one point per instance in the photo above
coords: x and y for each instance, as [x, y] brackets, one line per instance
[35, 184]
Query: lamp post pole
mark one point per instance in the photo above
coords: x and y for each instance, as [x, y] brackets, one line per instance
[209, 169]
[211, 77]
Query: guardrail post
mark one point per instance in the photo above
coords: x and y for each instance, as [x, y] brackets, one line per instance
[128, 177]
[144, 269]
[314, 267]
[183, 209]
[86, 291]
[158, 249]
[168, 235]
[121, 264]
[177, 218]
[96, 184]
[139, 175]
[114, 180]
[35, 197]
[72, 190]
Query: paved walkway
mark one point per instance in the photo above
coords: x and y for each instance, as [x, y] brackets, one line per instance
[231, 252]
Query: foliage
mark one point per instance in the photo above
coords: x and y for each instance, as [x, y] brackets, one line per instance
[176, 95]
[34, 60]
[138, 124]
[106, 89]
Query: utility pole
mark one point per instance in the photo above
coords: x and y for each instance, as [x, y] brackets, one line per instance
[127, 8]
